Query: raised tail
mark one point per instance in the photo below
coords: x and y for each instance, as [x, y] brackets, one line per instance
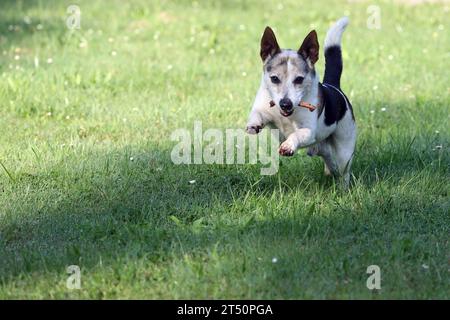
[333, 54]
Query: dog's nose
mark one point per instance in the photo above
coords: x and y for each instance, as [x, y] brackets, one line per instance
[286, 104]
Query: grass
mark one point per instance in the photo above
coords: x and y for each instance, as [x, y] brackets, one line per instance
[86, 177]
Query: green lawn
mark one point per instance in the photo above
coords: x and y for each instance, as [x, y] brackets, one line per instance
[86, 176]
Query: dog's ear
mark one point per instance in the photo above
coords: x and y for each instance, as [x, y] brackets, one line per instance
[269, 44]
[310, 47]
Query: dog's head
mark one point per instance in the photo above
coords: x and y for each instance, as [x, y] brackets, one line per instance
[288, 74]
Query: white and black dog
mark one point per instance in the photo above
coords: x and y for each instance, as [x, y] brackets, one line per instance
[307, 113]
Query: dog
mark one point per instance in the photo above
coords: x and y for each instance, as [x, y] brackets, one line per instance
[308, 113]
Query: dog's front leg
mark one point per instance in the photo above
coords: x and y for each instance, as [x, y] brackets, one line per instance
[301, 138]
[260, 114]
[255, 122]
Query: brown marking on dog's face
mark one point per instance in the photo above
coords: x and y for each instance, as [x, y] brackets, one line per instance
[289, 74]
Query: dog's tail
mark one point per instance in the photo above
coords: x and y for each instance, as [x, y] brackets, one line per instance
[333, 54]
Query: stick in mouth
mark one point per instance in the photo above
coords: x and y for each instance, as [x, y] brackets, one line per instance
[307, 105]
[303, 104]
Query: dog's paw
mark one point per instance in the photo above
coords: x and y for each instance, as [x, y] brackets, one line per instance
[254, 129]
[286, 149]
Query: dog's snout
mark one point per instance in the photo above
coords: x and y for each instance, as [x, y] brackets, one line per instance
[286, 104]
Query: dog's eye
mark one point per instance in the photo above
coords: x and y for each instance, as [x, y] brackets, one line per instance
[275, 79]
[298, 80]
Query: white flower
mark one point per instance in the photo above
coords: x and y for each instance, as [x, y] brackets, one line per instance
[383, 109]
[274, 260]
[49, 60]
[131, 159]
[425, 266]
[191, 181]
[372, 111]
[113, 53]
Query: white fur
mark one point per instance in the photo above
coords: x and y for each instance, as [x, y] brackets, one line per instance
[334, 35]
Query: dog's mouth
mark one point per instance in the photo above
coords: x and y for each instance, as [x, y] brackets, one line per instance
[285, 113]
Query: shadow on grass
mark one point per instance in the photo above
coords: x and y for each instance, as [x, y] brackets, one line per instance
[107, 208]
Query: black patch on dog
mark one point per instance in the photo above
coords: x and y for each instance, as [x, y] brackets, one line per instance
[334, 104]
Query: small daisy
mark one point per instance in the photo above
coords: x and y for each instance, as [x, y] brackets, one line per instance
[192, 181]
[49, 60]
[274, 260]
[383, 109]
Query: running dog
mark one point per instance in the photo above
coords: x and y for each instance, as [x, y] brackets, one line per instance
[308, 113]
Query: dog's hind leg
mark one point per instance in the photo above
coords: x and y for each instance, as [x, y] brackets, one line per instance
[325, 150]
[344, 151]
